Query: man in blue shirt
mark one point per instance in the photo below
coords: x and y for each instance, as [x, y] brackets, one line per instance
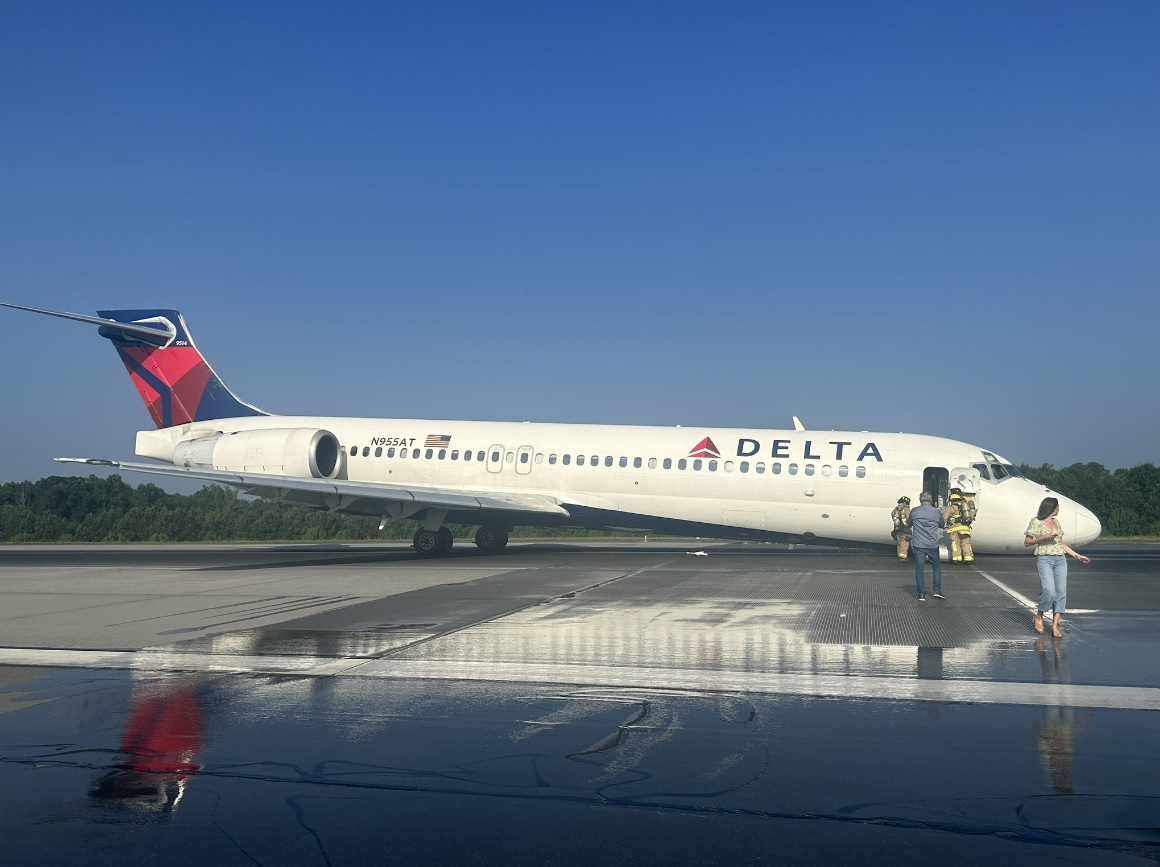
[926, 524]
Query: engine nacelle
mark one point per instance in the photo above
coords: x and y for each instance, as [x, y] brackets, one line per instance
[300, 451]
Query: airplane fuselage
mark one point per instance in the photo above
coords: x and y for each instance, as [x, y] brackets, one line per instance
[775, 485]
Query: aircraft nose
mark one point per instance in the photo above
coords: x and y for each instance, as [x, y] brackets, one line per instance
[1087, 526]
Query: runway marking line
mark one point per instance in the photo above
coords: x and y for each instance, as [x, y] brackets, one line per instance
[1024, 601]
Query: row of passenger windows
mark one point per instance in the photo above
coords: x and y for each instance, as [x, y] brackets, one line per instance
[696, 464]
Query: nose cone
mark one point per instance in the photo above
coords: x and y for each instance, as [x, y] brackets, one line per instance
[1087, 526]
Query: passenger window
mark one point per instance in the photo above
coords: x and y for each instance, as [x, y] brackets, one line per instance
[523, 457]
[809, 468]
[567, 460]
[668, 464]
[860, 472]
[415, 454]
[354, 451]
[792, 469]
[760, 467]
[391, 452]
[366, 451]
[682, 463]
[595, 461]
[826, 470]
[378, 451]
[652, 463]
[539, 457]
[495, 457]
[579, 460]
[843, 471]
[712, 466]
[467, 454]
[551, 460]
[479, 455]
[697, 464]
[624, 462]
[402, 453]
[442, 454]
[455, 454]
[608, 461]
[775, 468]
[509, 458]
[729, 466]
[429, 454]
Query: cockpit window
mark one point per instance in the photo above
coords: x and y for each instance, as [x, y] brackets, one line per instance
[998, 470]
[1012, 472]
[984, 473]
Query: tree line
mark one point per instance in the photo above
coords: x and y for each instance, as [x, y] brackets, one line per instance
[61, 509]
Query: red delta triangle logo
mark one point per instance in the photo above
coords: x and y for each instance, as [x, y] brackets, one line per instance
[705, 449]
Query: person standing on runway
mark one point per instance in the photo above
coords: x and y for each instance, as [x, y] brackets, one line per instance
[926, 523]
[1045, 533]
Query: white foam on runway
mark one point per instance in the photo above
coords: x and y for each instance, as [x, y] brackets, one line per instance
[664, 679]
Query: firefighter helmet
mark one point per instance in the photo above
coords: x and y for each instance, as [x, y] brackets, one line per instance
[904, 501]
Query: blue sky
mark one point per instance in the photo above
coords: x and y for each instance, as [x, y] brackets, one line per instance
[937, 218]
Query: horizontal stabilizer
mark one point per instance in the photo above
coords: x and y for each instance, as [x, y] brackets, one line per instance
[128, 330]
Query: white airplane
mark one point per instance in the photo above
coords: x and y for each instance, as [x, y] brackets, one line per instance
[794, 486]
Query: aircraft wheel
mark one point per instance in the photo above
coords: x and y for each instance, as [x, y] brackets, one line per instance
[446, 540]
[426, 543]
[491, 540]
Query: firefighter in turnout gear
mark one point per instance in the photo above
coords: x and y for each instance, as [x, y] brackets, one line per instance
[901, 531]
[959, 516]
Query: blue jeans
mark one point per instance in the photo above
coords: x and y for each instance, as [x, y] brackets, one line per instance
[1052, 570]
[921, 555]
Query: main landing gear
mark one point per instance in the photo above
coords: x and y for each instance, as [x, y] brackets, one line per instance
[433, 543]
[491, 540]
[437, 543]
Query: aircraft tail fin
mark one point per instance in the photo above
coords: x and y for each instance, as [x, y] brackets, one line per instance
[173, 378]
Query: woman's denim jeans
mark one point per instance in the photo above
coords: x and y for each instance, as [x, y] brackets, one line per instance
[1052, 582]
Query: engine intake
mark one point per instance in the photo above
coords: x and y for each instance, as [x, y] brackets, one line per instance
[305, 452]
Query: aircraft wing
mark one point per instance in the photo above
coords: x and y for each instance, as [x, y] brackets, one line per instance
[363, 498]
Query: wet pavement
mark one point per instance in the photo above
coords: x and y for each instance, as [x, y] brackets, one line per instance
[556, 704]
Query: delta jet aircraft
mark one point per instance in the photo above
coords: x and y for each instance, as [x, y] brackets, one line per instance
[793, 486]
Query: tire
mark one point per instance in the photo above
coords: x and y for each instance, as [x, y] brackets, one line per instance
[491, 540]
[446, 540]
[426, 543]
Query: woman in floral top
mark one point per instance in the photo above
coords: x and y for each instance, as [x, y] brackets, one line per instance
[1051, 553]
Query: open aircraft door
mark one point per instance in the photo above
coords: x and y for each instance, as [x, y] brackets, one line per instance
[967, 479]
[936, 481]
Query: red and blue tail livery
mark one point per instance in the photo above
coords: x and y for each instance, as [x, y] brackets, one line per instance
[173, 378]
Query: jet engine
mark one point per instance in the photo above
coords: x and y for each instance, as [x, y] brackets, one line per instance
[300, 451]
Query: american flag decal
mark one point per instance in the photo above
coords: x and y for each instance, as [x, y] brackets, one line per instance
[437, 441]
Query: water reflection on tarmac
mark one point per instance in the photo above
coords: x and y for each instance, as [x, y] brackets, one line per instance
[750, 708]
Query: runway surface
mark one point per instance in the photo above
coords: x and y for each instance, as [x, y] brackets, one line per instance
[568, 704]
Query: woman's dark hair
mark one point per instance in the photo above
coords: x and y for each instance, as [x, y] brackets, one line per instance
[1049, 505]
